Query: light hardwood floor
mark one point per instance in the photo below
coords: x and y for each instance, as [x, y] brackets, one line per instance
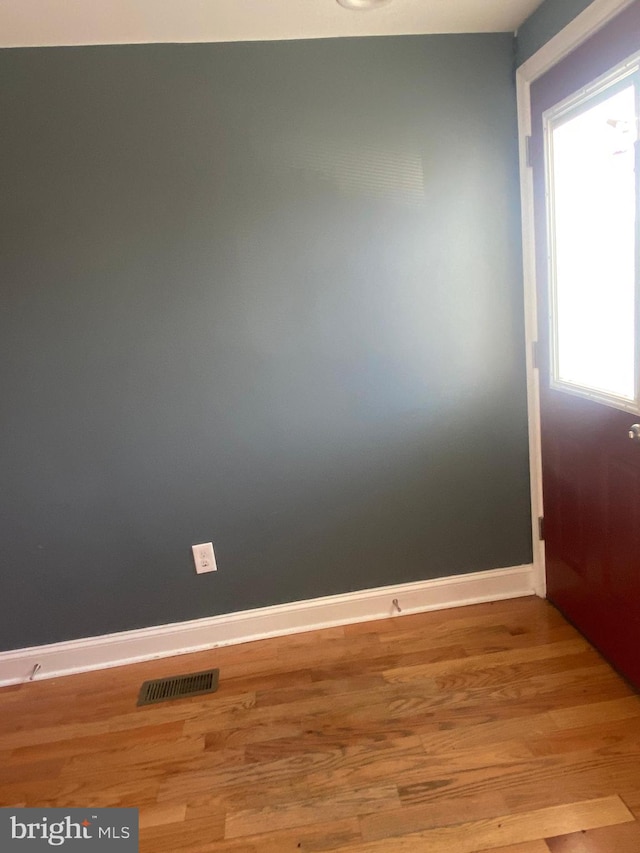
[487, 728]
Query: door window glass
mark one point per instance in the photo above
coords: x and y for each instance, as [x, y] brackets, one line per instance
[592, 196]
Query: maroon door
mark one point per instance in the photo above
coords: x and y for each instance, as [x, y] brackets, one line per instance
[591, 467]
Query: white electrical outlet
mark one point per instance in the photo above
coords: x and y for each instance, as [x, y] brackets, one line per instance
[204, 558]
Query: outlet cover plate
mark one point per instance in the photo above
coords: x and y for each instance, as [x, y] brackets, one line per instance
[204, 558]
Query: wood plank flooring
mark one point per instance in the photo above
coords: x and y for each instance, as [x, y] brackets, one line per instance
[494, 727]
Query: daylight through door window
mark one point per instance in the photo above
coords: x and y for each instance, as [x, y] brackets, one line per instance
[592, 206]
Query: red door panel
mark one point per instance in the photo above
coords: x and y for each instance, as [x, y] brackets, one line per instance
[591, 470]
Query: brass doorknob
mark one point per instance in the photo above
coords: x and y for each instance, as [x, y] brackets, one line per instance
[634, 432]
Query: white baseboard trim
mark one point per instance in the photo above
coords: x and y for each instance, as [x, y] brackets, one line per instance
[180, 638]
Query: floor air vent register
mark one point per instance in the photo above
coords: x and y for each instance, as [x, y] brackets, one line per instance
[178, 686]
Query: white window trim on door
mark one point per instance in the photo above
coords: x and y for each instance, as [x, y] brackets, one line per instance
[592, 19]
[626, 74]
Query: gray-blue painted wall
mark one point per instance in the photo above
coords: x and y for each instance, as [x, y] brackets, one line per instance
[547, 21]
[265, 294]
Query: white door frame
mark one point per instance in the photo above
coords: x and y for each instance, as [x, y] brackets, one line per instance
[593, 18]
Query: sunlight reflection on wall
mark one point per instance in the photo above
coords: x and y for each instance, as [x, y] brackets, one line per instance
[363, 169]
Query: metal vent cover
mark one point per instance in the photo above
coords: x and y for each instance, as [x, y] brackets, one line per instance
[177, 686]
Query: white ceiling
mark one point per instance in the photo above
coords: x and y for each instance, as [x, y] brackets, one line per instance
[58, 22]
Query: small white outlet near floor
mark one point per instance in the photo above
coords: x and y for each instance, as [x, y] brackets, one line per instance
[204, 558]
